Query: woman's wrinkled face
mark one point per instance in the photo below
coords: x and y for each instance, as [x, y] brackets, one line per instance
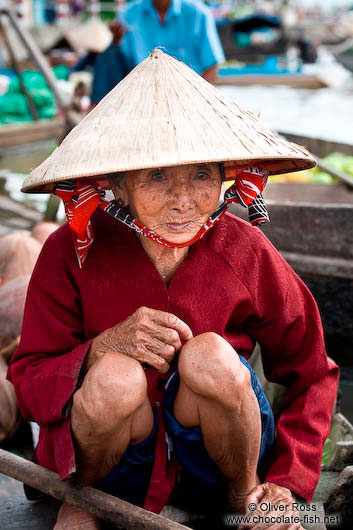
[174, 202]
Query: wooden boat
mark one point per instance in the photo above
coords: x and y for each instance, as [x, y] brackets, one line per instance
[261, 60]
[318, 146]
[311, 225]
[16, 216]
[295, 80]
[346, 58]
[23, 133]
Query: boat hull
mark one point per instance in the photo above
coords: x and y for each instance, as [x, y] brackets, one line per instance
[314, 234]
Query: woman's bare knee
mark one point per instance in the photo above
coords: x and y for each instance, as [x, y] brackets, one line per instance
[210, 367]
[113, 389]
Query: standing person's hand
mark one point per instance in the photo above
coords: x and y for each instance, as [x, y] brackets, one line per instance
[118, 30]
[149, 336]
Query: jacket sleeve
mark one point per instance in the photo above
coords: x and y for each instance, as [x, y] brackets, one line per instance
[288, 328]
[46, 366]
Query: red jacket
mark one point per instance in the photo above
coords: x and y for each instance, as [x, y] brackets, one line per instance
[232, 282]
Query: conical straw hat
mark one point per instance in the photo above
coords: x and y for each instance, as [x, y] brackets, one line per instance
[164, 114]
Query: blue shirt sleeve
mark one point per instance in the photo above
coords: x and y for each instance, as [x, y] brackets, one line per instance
[211, 51]
[110, 68]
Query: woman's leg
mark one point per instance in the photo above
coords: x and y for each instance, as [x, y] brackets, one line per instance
[215, 393]
[110, 411]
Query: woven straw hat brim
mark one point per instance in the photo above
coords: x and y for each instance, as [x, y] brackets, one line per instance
[163, 114]
[92, 36]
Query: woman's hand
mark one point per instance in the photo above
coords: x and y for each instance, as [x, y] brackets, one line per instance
[272, 507]
[149, 336]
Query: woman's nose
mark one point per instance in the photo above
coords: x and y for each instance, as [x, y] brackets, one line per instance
[181, 196]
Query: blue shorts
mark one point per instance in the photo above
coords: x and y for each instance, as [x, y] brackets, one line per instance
[200, 483]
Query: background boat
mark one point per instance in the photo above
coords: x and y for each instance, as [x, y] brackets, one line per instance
[311, 225]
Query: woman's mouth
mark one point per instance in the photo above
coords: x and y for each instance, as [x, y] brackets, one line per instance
[177, 227]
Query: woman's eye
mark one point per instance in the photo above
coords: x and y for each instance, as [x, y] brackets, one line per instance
[201, 175]
[158, 176]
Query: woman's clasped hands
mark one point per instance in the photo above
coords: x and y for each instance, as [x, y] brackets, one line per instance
[150, 336]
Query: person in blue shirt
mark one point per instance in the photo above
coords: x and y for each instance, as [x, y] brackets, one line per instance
[184, 28]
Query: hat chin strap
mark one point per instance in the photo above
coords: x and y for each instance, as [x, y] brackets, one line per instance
[246, 191]
[124, 216]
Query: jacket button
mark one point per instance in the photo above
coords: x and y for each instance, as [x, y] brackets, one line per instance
[158, 403]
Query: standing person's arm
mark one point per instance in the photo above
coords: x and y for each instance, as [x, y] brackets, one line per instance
[112, 65]
[109, 69]
[210, 47]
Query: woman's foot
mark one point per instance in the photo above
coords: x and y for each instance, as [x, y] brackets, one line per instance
[73, 518]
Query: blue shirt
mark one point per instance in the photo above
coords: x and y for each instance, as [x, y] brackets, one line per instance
[188, 33]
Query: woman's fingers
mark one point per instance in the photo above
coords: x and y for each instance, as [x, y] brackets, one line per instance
[156, 361]
[167, 336]
[148, 335]
[168, 320]
[157, 347]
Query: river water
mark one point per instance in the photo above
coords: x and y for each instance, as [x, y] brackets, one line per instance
[325, 113]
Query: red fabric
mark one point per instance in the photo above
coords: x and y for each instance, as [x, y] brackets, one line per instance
[249, 182]
[232, 282]
[164, 471]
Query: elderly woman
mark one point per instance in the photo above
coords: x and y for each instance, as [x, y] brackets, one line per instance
[132, 360]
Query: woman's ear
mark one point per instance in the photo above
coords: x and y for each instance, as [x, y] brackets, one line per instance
[117, 183]
[120, 193]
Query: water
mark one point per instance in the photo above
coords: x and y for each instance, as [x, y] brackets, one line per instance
[326, 113]
[16, 162]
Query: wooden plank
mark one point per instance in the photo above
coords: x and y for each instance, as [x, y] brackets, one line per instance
[309, 229]
[10, 208]
[124, 515]
[17, 134]
[319, 146]
[312, 229]
[319, 265]
[293, 80]
[16, 513]
[308, 193]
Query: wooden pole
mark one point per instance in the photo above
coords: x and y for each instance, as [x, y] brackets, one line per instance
[41, 63]
[124, 515]
[343, 177]
[335, 172]
[52, 208]
[18, 71]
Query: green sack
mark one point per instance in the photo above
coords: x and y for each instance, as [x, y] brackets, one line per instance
[13, 104]
[61, 71]
[42, 97]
